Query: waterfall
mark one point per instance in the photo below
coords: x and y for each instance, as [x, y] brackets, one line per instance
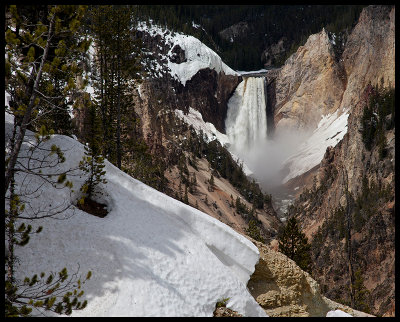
[246, 121]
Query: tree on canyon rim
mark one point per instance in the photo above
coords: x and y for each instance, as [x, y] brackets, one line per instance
[294, 244]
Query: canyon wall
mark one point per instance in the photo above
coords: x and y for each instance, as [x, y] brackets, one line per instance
[284, 290]
[354, 181]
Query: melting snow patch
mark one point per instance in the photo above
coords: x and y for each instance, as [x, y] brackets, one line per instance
[195, 119]
[329, 132]
[337, 313]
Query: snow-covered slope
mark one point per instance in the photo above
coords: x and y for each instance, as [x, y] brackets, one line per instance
[210, 133]
[329, 132]
[197, 54]
[338, 314]
[194, 118]
[150, 256]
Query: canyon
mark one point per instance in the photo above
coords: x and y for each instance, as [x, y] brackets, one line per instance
[296, 127]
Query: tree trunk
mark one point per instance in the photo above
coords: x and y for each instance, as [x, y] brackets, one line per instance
[118, 98]
[10, 227]
[25, 121]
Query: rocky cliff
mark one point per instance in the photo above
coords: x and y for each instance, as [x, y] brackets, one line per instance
[328, 73]
[186, 73]
[323, 211]
[284, 290]
[309, 85]
[205, 87]
[323, 81]
[364, 216]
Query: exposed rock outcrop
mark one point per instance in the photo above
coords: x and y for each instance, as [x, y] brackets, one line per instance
[309, 85]
[237, 30]
[373, 240]
[316, 74]
[284, 290]
[207, 91]
[328, 74]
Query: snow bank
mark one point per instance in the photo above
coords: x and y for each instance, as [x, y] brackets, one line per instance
[195, 119]
[245, 72]
[150, 256]
[337, 313]
[198, 56]
[329, 132]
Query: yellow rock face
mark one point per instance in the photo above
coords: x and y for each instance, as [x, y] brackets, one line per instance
[309, 85]
[284, 289]
[314, 82]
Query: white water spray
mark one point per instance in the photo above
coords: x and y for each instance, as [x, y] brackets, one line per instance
[246, 121]
[246, 128]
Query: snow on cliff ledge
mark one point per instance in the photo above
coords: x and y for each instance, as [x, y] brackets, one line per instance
[330, 130]
[210, 133]
[150, 256]
[198, 55]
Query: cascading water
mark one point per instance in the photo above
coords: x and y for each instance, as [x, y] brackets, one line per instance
[246, 122]
[246, 128]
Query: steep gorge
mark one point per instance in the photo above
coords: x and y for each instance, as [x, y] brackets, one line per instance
[322, 81]
[325, 80]
[322, 207]
[157, 101]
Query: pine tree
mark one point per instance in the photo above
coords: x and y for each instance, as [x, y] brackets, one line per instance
[36, 53]
[117, 71]
[294, 244]
[254, 231]
[361, 293]
[212, 183]
[93, 162]
[186, 198]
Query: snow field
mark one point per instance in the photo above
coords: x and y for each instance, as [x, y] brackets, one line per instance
[331, 129]
[150, 256]
[338, 313]
[198, 56]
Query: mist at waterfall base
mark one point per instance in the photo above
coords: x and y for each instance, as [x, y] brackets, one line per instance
[246, 128]
[265, 158]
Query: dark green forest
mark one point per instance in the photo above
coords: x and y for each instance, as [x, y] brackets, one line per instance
[267, 24]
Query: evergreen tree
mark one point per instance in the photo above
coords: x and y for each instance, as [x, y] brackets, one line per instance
[92, 162]
[36, 52]
[254, 231]
[361, 293]
[116, 71]
[294, 244]
[186, 198]
[36, 38]
[212, 183]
